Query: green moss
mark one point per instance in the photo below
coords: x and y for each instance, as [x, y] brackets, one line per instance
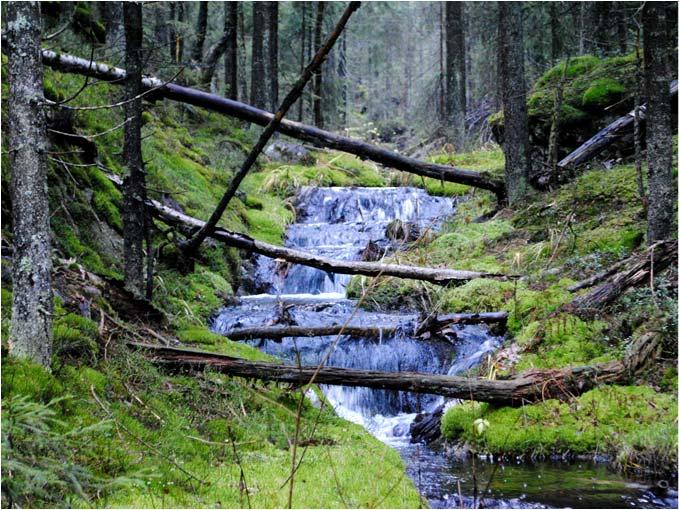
[74, 335]
[479, 295]
[603, 92]
[610, 418]
[107, 209]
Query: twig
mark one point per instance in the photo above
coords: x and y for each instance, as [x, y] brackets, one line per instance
[91, 137]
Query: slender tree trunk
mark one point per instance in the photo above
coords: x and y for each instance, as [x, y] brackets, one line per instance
[662, 194]
[231, 52]
[242, 54]
[638, 88]
[621, 26]
[257, 81]
[456, 91]
[556, 30]
[442, 74]
[172, 32]
[115, 35]
[272, 37]
[201, 29]
[134, 188]
[31, 325]
[342, 75]
[181, 17]
[302, 61]
[318, 79]
[512, 81]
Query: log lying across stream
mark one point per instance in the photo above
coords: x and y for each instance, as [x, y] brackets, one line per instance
[436, 323]
[441, 276]
[529, 386]
[279, 332]
[156, 89]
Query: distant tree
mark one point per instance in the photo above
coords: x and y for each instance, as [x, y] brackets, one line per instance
[272, 53]
[456, 90]
[556, 31]
[318, 79]
[172, 32]
[181, 18]
[112, 14]
[231, 51]
[31, 326]
[620, 17]
[662, 194]
[513, 85]
[342, 75]
[242, 54]
[258, 90]
[302, 58]
[201, 29]
[134, 185]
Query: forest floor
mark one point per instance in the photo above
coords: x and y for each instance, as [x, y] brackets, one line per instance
[107, 428]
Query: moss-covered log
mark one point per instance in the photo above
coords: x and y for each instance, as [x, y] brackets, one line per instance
[279, 332]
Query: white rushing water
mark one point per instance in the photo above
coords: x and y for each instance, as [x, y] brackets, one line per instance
[339, 223]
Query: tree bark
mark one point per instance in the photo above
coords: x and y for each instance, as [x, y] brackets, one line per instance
[277, 333]
[134, 185]
[31, 325]
[258, 87]
[189, 247]
[302, 61]
[201, 29]
[555, 25]
[172, 32]
[272, 61]
[513, 84]
[242, 54]
[181, 17]
[620, 10]
[638, 270]
[318, 78]
[456, 90]
[231, 51]
[662, 193]
[608, 135]
[71, 64]
[526, 387]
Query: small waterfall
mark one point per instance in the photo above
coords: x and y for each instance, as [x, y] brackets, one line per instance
[339, 223]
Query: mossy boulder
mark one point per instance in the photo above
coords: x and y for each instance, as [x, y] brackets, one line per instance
[595, 92]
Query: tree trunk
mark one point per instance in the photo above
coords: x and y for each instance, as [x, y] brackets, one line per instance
[201, 29]
[181, 18]
[115, 35]
[257, 76]
[272, 60]
[242, 54]
[620, 10]
[134, 186]
[318, 79]
[441, 80]
[231, 51]
[172, 32]
[555, 25]
[456, 91]
[526, 387]
[31, 324]
[512, 81]
[302, 61]
[342, 75]
[68, 63]
[662, 194]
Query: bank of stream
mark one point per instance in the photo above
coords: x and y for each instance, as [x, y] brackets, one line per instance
[341, 223]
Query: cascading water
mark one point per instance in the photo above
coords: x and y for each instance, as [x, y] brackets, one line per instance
[339, 223]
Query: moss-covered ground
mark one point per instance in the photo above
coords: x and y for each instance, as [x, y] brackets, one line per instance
[107, 428]
[553, 240]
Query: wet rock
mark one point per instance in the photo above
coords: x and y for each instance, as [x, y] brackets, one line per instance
[287, 152]
[403, 231]
[426, 427]
[372, 252]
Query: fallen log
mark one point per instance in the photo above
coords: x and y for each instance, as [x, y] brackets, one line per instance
[156, 89]
[436, 323]
[606, 136]
[280, 332]
[441, 276]
[638, 270]
[526, 387]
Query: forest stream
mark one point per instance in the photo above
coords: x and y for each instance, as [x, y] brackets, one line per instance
[340, 223]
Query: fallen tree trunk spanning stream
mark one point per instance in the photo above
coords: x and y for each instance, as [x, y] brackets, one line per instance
[156, 89]
[279, 332]
[529, 386]
[441, 276]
